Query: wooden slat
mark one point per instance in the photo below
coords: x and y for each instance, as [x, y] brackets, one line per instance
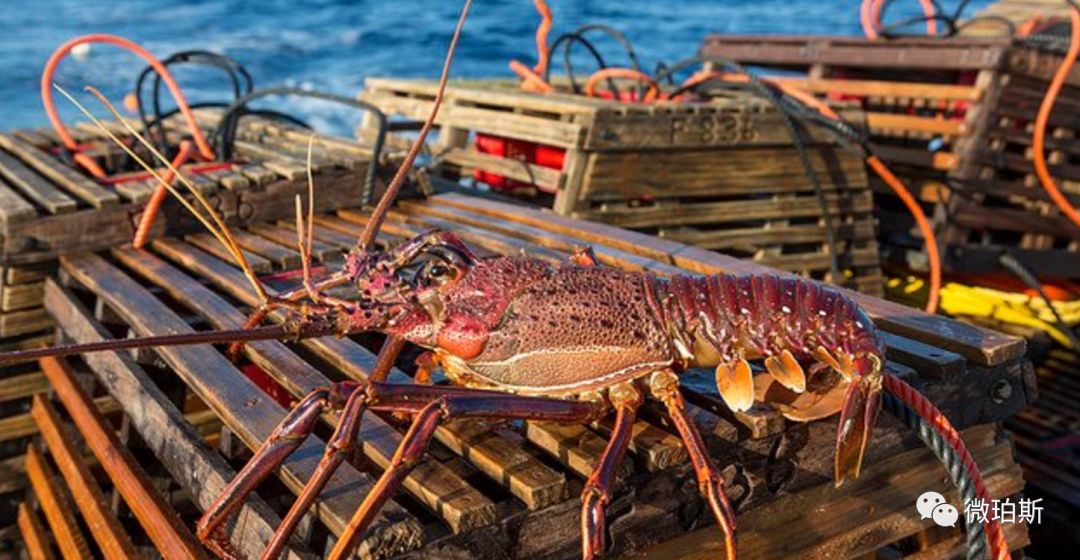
[890, 122]
[857, 515]
[13, 209]
[33, 534]
[96, 195]
[532, 174]
[21, 296]
[156, 516]
[197, 468]
[104, 527]
[440, 489]
[882, 88]
[34, 187]
[56, 504]
[22, 425]
[208, 243]
[240, 403]
[22, 386]
[282, 256]
[18, 323]
[287, 238]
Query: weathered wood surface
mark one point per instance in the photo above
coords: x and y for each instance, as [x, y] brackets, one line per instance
[105, 528]
[980, 120]
[157, 518]
[491, 490]
[55, 503]
[32, 530]
[161, 425]
[720, 174]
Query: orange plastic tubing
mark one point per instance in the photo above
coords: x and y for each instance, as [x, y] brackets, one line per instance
[870, 17]
[142, 231]
[205, 151]
[1038, 137]
[541, 37]
[650, 95]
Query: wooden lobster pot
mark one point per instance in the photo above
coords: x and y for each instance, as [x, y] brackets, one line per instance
[957, 108]
[512, 491]
[722, 175]
[48, 207]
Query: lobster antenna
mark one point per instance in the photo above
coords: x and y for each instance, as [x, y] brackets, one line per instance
[307, 330]
[304, 240]
[223, 234]
[371, 229]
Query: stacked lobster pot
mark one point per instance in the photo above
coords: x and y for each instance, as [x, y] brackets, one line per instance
[954, 119]
[49, 206]
[723, 174]
[510, 489]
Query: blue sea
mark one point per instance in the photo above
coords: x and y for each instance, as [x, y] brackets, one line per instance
[334, 45]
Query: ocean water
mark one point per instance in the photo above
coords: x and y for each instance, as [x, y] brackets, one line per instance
[334, 45]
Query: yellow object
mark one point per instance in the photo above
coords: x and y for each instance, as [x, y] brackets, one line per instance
[959, 300]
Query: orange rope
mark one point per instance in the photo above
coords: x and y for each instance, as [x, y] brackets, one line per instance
[1038, 137]
[999, 548]
[50, 107]
[530, 80]
[650, 95]
[541, 37]
[142, 231]
[870, 17]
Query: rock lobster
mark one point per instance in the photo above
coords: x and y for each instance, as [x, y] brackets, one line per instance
[521, 338]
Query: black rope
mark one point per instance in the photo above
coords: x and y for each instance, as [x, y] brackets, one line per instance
[569, 39]
[233, 69]
[1012, 264]
[226, 131]
[785, 110]
[958, 473]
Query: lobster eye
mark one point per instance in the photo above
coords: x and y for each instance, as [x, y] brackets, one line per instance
[438, 271]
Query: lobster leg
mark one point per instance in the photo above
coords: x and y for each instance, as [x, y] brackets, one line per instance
[432, 405]
[285, 438]
[664, 385]
[336, 450]
[597, 491]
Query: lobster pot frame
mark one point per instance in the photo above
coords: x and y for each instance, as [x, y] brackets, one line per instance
[48, 206]
[950, 108]
[511, 490]
[724, 175]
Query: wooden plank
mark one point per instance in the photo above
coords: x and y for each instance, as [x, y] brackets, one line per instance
[281, 256]
[883, 88]
[104, 527]
[980, 345]
[196, 467]
[164, 527]
[22, 425]
[56, 504]
[462, 506]
[686, 173]
[339, 241]
[529, 173]
[35, 187]
[22, 386]
[208, 243]
[241, 404]
[530, 480]
[18, 323]
[33, 534]
[78, 185]
[726, 212]
[798, 527]
[21, 296]
[287, 238]
[13, 209]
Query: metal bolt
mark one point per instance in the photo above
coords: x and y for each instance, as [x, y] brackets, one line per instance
[1000, 391]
